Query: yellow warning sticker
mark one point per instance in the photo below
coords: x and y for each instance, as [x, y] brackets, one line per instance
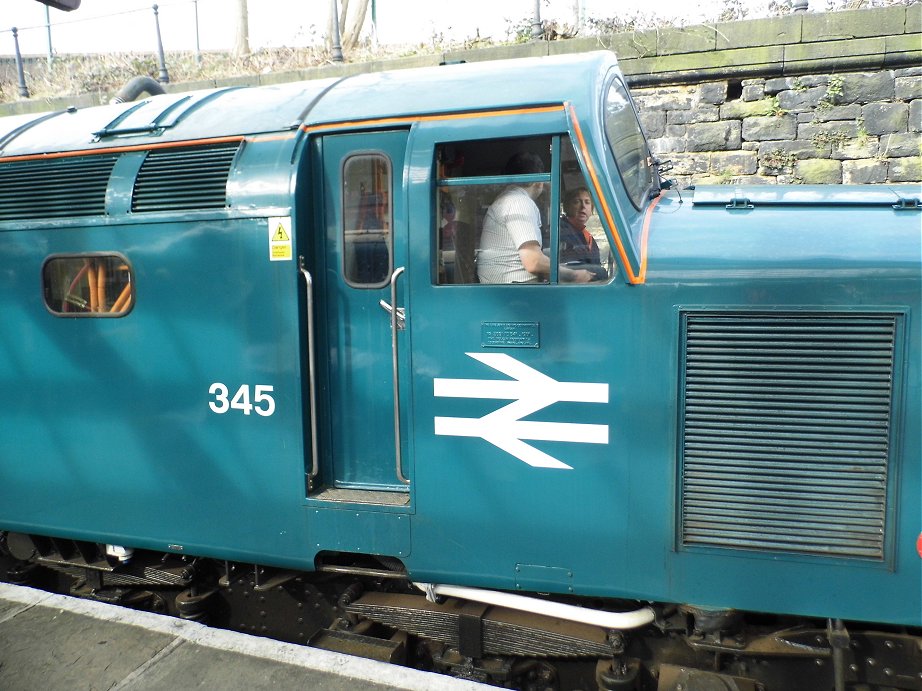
[280, 239]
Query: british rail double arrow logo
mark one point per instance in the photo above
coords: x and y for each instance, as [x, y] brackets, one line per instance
[530, 391]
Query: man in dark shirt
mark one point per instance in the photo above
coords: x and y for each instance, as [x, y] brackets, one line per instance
[577, 246]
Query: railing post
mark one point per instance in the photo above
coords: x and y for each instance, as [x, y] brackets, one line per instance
[164, 76]
[198, 46]
[337, 44]
[374, 23]
[536, 30]
[48, 28]
[23, 89]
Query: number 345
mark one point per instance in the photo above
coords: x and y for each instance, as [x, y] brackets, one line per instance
[262, 401]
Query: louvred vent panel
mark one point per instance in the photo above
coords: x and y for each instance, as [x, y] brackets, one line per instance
[786, 423]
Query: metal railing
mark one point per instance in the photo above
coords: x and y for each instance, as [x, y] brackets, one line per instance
[157, 44]
[132, 24]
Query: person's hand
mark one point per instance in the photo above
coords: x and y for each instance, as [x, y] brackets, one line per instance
[582, 276]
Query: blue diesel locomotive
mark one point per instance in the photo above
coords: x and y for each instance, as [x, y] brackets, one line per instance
[255, 372]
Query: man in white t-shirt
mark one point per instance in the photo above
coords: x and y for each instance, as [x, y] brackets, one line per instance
[510, 244]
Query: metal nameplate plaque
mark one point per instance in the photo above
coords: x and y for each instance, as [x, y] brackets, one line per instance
[510, 335]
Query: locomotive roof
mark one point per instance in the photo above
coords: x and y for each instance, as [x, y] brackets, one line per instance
[237, 110]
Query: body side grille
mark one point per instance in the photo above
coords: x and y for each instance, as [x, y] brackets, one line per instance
[785, 431]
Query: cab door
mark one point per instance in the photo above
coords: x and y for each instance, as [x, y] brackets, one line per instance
[359, 269]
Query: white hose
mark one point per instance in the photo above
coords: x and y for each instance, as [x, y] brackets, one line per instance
[594, 617]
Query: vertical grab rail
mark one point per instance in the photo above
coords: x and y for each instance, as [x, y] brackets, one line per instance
[398, 322]
[311, 375]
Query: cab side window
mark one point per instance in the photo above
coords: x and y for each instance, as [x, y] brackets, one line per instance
[494, 218]
[482, 185]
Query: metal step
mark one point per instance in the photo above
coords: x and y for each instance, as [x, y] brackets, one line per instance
[362, 496]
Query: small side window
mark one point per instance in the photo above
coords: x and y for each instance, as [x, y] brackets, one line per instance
[88, 285]
[367, 220]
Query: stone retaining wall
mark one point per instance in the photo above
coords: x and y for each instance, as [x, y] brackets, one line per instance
[849, 127]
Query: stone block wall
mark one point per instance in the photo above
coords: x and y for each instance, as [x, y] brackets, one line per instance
[852, 127]
[861, 127]
[807, 98]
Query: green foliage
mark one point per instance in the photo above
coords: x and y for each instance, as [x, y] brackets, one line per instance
[834, 89]
[778, 160]
[829, 138]
[863, 134]
[776, 108]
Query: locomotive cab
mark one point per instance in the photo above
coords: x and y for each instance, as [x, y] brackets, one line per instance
[267, 343]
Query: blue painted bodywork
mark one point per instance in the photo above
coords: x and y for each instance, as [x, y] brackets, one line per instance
[107, 434]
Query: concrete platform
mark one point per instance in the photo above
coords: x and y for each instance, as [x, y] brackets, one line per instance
[53, 642]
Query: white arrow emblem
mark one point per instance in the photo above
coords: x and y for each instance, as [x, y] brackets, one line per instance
[530, 391]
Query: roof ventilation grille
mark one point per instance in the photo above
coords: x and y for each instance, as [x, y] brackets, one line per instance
[190, 178]
[55, 187]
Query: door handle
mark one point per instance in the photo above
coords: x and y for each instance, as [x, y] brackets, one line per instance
[401, 313]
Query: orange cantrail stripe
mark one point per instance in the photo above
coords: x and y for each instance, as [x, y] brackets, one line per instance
[343, 124]
[134, 147]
